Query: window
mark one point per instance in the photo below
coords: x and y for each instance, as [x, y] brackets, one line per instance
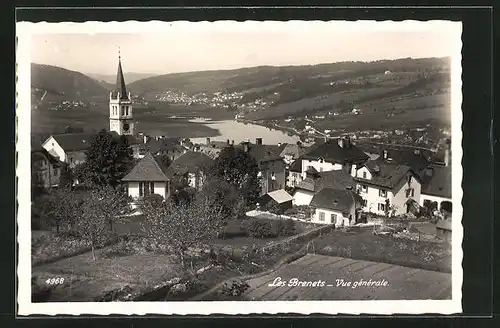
[364, 175]
[333, 218]
[382, 193]
[363, 188]
[427, 203]
[322, 216]
[381, 207]
[152, 187]
[410, 192]
[141, 191]
[56, 171]
[71, 160]
[123, 110]
[167, 188]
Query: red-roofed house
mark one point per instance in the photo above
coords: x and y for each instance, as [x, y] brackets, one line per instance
[147, 177]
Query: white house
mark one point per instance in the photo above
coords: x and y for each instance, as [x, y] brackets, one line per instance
[334, 154]
[69, 148]
[386, 187]
[147, 177]
[336, 206]
[294, 174]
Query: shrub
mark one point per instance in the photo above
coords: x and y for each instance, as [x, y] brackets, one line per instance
[288, 227]
[260, 228]
[234, 228]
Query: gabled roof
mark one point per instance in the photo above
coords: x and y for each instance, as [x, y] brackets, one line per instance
[311, 170]
[294, 150]
[280, 196]
[50, 158]
[385, 175]
[73, 141]
[190, 162]
[439, 183]
[331, 151]
[147, 169]
[263, 153]
[335, 199]
[330, 179]
[296, 165]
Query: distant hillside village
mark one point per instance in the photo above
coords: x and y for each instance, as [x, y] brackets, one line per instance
[337, 179]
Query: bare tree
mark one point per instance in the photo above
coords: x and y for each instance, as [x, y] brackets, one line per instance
[98, 211]
[181, 226]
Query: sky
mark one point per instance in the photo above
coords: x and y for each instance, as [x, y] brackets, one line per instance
[174, 48]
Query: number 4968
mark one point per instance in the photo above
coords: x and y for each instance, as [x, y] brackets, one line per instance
[54, 281]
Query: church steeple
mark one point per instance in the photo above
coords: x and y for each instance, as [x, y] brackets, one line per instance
[120, 106]
[120, 80]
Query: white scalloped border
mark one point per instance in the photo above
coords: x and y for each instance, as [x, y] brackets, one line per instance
[23, 119]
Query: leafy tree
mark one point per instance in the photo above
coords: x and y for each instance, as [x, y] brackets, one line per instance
[164, 159]
[240, 170]
[66, 177]
[107, 159]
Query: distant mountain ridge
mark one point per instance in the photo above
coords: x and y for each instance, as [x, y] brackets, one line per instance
[130, 77]
[66, 83]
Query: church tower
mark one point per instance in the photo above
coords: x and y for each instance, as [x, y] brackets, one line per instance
[120, 106]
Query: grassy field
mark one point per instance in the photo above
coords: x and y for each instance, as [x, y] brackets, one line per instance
[362, 244]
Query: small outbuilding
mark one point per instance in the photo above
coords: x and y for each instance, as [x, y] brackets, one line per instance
[277, 198]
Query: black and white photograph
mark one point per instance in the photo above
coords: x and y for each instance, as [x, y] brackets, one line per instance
[239, 167]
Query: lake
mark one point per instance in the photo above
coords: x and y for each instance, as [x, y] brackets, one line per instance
[238, 132]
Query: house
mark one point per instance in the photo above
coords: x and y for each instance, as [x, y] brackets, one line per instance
[70, 148]
[160, 147]
[278, 197]
[316, 181]
[294, 173]
[45, 168]
[336, 206]
[271, 165]
[333, 154]
[386, 186]
[291, 152]
[436, 188]
[192, 167]
[443, 229]
[213, 148]
[147, 177]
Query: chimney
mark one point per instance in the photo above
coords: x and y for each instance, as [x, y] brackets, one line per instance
[385, 154]
[258, 141]
[228, 142]
[447, 153]
[145, 138]
[208, 141]
[353, 170]
[245, 147]
[279, 144]
[232, 142]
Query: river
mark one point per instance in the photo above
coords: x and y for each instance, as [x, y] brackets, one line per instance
[238, 132]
